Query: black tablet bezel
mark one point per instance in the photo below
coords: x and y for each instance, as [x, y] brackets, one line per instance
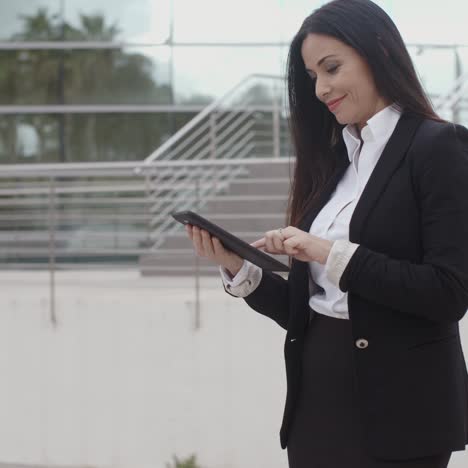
[231, 242]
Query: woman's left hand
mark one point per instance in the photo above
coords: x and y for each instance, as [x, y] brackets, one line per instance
[296, 243]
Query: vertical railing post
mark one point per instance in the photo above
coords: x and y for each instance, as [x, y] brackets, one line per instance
[458, 74]
[197, 264]
[148, 242]
[51, 223]
[276, 126]
[213, 143]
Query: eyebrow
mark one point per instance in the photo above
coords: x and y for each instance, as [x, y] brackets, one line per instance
[322, 60]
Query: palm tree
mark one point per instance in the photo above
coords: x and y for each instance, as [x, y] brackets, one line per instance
[107, 76]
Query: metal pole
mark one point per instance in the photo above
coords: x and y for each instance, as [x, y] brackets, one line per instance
[170, 43]
[61, 90]
[458, 74]
[53, 317]
[276, 128]
[197, 265]
[213, 135]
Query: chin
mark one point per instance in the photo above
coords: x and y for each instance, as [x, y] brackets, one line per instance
[342, 120]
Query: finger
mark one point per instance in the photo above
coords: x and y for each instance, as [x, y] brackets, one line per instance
[278, 241]
[289, 231]
[259, 243]
[218, 247]
[270, 245]
[207, 245]
[188, 229]
[197, 241]
[291, 246]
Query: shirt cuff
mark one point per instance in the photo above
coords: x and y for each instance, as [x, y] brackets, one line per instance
[338, 259]
[245, 282]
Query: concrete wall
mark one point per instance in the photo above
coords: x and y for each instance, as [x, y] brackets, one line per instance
[125, 380]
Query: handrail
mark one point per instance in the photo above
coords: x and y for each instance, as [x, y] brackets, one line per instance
[446, 100]
[73, 169]
[94, 231]
[204, 113]
[226, 128]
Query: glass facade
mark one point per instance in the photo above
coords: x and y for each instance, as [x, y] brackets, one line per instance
[70, 69]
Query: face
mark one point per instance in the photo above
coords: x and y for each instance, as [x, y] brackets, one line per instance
[340, 72]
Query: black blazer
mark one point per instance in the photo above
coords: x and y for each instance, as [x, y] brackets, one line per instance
[407, 286]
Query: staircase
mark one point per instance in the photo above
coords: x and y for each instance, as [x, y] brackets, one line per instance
[248, 207]
[252, 198]
[229, 164]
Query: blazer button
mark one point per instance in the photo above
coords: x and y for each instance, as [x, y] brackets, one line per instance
[362, 343]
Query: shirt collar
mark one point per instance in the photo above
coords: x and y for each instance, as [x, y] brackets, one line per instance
[379, 128]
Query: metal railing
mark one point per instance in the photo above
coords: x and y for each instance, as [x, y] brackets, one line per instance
[110, 214]
[448, 104]
[248, 121]
[99, 215]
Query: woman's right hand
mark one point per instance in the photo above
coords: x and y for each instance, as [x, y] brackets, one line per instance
[209, 246]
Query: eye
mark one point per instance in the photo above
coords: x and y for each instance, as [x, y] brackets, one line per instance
[333, 69]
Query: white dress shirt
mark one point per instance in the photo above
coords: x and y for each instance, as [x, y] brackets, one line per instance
[332, 222]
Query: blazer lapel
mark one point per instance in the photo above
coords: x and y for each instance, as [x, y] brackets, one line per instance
[393, 153]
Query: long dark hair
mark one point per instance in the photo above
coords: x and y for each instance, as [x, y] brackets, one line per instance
[316, 134]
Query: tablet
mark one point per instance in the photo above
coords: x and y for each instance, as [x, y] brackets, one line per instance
[231, 242]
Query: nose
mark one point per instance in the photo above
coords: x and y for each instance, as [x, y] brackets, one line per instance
[322, 89]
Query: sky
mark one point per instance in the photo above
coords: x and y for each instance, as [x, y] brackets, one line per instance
[214, 70]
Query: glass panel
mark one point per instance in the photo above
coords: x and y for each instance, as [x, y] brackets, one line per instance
[29, 77]
[127, 76]
[86, 137]
[140, 21]
[113, 137]
[293, 13]
[29, 138]
[118, 137]
[14, 22]
[212, 71]
[420, 21]
[436, 68]
[227, 21]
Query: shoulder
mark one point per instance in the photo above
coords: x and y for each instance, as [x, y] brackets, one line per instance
[435, 140]
[432, 133]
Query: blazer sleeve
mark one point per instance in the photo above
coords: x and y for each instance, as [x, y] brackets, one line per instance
[270, 298]
[437, 288]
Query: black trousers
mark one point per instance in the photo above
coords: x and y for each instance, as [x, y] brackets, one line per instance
[326, 431]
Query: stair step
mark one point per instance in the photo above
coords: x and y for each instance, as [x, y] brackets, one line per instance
[245, 206]
[151, 264]
[279, 187]
[183, 242]
[271, 170]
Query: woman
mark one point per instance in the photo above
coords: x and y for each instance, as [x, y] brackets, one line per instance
[378, 239]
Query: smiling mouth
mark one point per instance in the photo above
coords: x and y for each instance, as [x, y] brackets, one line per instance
[335, 104]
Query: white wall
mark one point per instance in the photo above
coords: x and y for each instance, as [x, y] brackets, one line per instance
[124, 380]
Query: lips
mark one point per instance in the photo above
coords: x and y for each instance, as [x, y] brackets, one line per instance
[333, 104]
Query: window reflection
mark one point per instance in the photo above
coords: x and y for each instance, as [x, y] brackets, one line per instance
[42, 77]
[16, 19]
[86, 137]
[138, 21]
[124, 76]
[426, 59]
[212, 71]
[29, 138]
